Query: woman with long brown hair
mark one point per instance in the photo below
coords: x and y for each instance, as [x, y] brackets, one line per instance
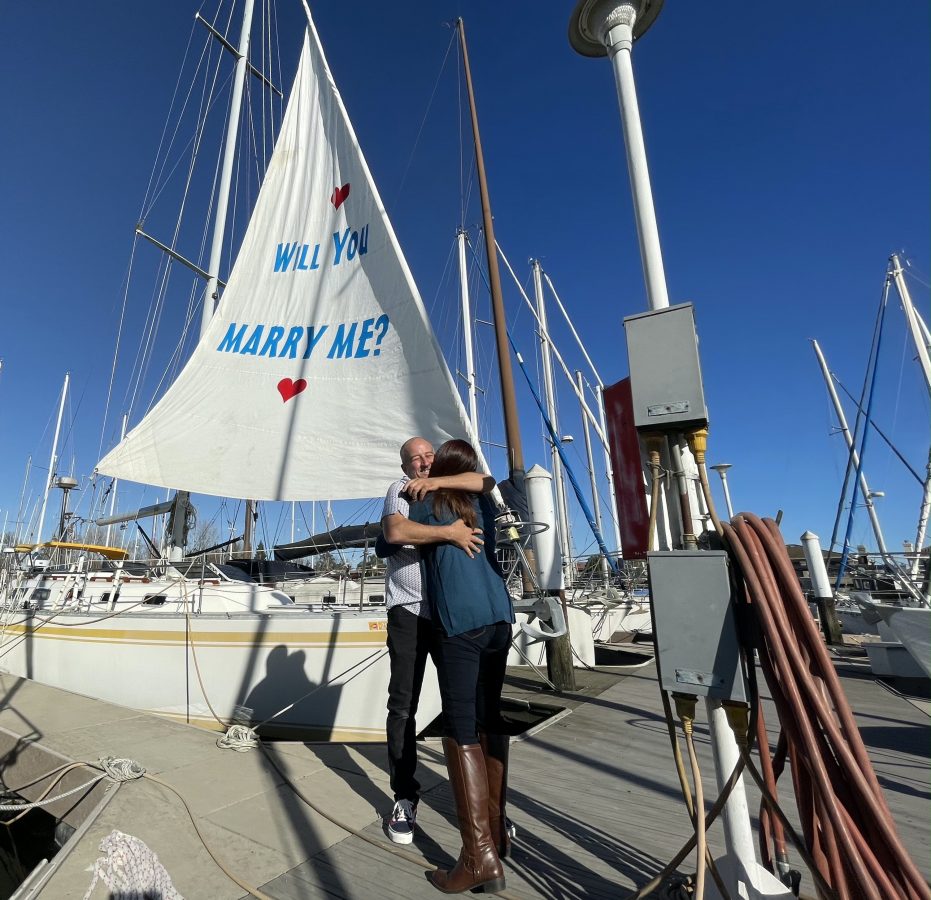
[472, 617]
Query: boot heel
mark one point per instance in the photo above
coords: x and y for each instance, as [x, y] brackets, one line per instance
[495, 886]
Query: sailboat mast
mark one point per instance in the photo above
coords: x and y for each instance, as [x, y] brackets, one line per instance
[53, 460]
[226, 177]
[851, 449]
[461, 239]
[508, 397]
[919, 335]
[923, 515]
[861, 481]
[20, 524]
[596, 501]
[558, 650]
[106, 539]
[562, 506]
[248, 529]
[911, 317]
[599, 394]
[219, 225]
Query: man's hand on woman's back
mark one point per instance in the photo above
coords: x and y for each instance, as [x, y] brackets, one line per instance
[465, 537]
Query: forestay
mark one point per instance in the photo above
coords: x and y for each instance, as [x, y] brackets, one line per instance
[320, 359]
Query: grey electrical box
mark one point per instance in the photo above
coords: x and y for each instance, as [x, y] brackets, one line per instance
[696, 632]
[665, 373]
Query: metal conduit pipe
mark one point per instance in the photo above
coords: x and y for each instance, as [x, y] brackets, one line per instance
[772, 834]
[689, 540]
[698, 444]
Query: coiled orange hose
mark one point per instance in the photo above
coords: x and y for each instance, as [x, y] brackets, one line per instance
[847, 825]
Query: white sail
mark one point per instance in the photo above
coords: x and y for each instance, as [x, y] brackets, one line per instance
[320, 359]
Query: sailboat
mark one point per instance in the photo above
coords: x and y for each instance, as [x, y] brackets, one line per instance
[319, 319]
[893, 602]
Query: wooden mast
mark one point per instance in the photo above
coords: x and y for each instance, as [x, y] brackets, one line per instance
[508, 400]
[558, 650]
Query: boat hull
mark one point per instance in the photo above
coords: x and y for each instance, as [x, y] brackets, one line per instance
[912, 626]
[325, 674]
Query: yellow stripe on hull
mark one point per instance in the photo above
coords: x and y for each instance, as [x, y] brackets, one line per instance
[212, 638]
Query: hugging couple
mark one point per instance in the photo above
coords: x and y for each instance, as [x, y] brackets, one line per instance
[446, 598]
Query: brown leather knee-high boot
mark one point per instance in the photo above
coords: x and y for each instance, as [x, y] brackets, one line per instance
[495, 747]
[478, 864]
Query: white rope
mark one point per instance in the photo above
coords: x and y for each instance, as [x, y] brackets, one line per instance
[131, 870]
[240, 738]
[21, 807]
[120, 769]
[115, 768]
[371, 659]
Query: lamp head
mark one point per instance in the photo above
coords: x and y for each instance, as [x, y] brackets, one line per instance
[590, 17]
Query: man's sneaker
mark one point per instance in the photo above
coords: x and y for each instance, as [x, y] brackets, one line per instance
[510, 828]
[402, 821]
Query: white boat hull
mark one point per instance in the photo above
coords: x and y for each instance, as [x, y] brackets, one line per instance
[246, 665]
[912, 627]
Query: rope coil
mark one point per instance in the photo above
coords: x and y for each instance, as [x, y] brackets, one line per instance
[239, 738]
[120, 769]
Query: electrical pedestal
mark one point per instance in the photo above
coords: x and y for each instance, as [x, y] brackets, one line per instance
[699, 654]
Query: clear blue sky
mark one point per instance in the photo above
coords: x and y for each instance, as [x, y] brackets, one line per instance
[789, 155]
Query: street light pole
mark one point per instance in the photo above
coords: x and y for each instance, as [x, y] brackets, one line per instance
[597, 28]
[609, 27]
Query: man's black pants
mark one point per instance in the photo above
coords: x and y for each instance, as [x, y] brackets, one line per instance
[409, 638]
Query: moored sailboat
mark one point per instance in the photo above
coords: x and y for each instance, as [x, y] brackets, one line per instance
[319, 318]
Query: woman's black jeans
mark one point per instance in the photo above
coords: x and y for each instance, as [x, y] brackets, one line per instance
[470, 667]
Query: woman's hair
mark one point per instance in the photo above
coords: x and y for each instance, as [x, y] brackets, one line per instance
[454, 458]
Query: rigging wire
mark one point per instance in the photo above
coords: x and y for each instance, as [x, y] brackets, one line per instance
[116, 350]
[209, 97]
[265, 22]
[567, 468]
[153, 178]
[909, 270]
[859, 467]
[843, 494]
[212, 89]
[485, 356]
[143, 356]
[423, 122]
[878, 430]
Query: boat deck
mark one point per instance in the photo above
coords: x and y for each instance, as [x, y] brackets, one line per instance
[593, 794]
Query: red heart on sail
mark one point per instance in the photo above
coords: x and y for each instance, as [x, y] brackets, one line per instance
[339, 195]
[288, 388]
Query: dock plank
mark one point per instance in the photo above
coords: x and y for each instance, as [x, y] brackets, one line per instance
[593, 794]
[597, 803]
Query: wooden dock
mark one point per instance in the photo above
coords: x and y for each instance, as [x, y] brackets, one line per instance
[593, 794]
